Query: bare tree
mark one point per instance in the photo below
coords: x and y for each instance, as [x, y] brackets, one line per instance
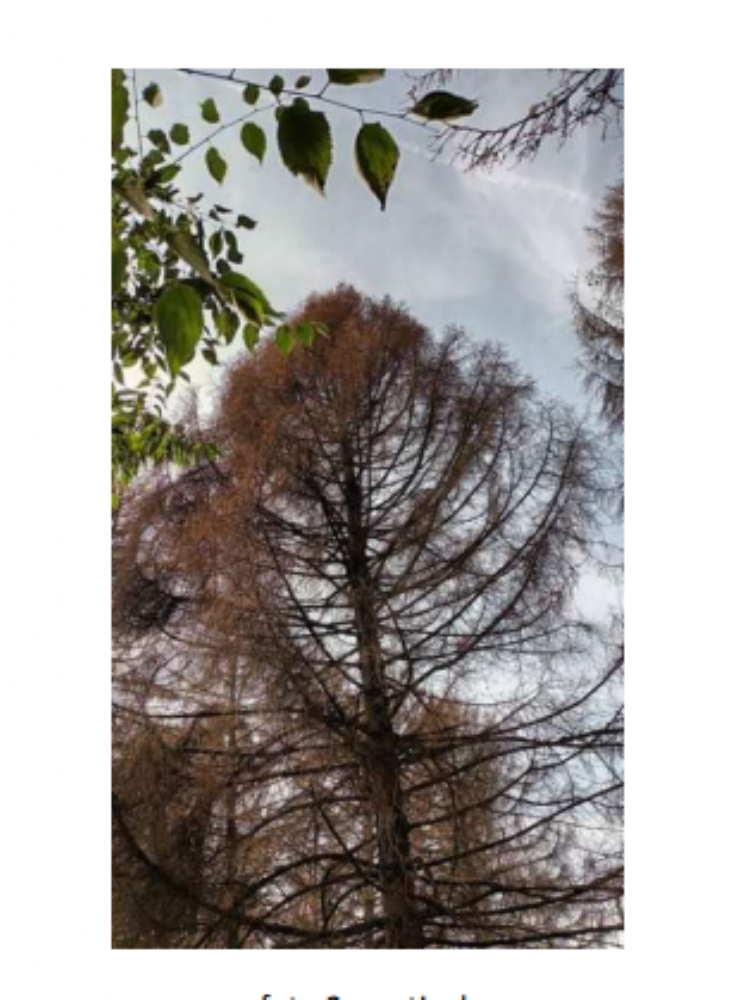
[369, 597]
[600, 326]
[581, 97]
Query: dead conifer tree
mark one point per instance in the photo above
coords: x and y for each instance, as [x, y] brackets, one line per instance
[372, 587]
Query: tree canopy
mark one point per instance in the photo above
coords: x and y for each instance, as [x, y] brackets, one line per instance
[355, 705]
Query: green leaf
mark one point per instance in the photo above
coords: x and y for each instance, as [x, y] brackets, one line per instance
[179, 319]
[245, 222]
[236, 281]
[216, 164]
[167, 174]
[302, 82]
[441, 105]
[180, 134]
[250, 299]
[233, 247]
[253, 139]
[150, 162]
[251, 335]
[304, 140]
[158, 138]
[119, 261]
[251, 93]
[210, 111]
[285, 340]
[153, 95]
[119, 107]
[377, 157]
[305, 333]
[227, 323]
[276, 85]
[347, 77]
[250, 308]
[215, 243]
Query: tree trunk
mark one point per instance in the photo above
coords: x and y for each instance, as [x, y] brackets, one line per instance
[380, 751]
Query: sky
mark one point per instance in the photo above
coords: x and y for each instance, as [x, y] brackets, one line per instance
[494, 252]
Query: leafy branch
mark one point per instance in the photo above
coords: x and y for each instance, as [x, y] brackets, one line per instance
[177, 290]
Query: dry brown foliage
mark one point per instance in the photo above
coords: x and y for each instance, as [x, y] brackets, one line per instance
[352, 640]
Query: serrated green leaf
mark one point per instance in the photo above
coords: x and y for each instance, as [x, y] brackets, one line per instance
[179, 319]
[304, 140]
[347, 77]
[159, 139]
[251, 93]
[119, 107]
[245, 222]
[179, 134]
[216, 164]
[302, 82]
[276, 85]
[210, 111]
[251, 335]
[153, 95]
[285, 340]
[377, 156]
[253, 139]
[443, 106]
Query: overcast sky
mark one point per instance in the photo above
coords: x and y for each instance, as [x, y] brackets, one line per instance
[493, 252]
